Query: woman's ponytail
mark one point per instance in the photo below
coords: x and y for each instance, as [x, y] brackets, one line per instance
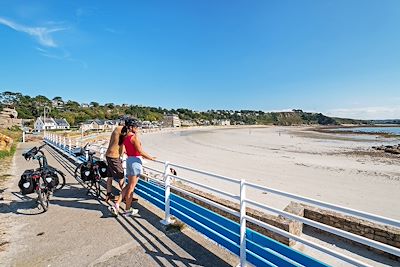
[122, 135]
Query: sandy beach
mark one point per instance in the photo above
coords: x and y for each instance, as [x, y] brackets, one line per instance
[338, 169]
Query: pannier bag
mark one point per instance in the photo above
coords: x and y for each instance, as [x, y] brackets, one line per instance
[86, 174]
[102, 168]
[26, 183]
[51, 179]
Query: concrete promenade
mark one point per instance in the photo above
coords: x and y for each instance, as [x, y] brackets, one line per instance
[78, 230]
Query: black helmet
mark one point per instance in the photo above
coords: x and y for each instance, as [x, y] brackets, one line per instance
[132, 122]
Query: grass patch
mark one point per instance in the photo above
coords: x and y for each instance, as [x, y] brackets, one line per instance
[5, 154]
[16, 135]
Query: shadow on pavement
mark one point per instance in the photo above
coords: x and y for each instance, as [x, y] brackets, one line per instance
[164, 247]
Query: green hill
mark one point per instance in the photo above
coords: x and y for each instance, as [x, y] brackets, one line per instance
[30, 107]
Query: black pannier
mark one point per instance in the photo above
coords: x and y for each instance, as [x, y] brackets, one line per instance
[86, 174]
[102, 168]
[26, 183]
[51, 179]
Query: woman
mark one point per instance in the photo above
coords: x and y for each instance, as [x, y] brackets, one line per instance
[133, 148]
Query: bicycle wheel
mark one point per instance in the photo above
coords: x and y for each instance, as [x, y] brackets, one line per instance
[62, 180]
[97, 188]
[43, 199]
[77, 173]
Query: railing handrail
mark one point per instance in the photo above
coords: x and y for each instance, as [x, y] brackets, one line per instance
[205, 186]
[206, 173]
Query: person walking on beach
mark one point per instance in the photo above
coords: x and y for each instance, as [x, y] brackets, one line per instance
[129, 138]
[113, 156]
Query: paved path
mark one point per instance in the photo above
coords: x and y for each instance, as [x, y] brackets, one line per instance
[78, 230]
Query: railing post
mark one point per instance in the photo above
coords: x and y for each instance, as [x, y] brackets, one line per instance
[76, 143]
[23, 136]
[167, 182]
[87, 154]
[242, 223]
[64, 143]
[69, 145]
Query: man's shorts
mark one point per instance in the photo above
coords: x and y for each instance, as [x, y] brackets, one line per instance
[134, 166]
[115, 169]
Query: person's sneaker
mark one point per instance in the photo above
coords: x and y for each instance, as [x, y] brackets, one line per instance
[130, 212]
[114, 210]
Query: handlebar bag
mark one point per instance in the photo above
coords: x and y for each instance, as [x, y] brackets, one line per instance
[26, 183]
[102, 168]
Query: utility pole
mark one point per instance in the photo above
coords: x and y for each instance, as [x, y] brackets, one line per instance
[44, 118]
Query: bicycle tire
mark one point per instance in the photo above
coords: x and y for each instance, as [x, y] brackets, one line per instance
[43, 199]
[77, 173]
[62, 182]
[97, 189]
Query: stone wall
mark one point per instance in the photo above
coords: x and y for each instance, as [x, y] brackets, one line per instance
[10, 122]
[381, 233]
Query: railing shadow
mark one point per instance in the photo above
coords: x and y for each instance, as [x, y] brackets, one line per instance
[24, 205]
[352, 247]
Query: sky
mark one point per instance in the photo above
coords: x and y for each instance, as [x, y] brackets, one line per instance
[338, 57]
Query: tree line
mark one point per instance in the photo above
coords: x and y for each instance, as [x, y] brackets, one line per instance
[29, 107]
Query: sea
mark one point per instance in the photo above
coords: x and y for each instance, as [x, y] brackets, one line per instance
[388, 130]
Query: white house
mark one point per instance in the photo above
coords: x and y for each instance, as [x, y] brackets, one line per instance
[171, 120]
[188, 123]
[62, 124]
[50, 124]
[98, 124]
[221, 122]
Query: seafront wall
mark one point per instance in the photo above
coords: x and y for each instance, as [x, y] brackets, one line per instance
[381, 233]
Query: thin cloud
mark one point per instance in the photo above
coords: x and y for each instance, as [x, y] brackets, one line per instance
[42, 34]
[370, 113]
[111, 30]
[64, 55]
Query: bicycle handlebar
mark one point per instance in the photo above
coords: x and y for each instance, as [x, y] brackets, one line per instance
[33, 152]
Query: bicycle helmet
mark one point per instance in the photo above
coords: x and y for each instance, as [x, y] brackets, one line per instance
[132, 122]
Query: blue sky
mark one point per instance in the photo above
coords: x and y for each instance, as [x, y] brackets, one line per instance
[336, 57]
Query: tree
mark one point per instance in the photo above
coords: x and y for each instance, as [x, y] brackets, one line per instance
[41, 101]
[8, 98]
[94, 104]
[110, 105]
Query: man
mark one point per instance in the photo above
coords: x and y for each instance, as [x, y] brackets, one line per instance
[115, 169]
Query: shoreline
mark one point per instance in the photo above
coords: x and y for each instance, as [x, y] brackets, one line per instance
[332, 130]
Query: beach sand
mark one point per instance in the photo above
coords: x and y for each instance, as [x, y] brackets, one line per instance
[341, 170]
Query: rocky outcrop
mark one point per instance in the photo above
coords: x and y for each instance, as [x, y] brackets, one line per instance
[5, 142]
[389, 149]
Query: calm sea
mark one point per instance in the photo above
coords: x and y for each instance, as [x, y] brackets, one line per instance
[389, 130]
